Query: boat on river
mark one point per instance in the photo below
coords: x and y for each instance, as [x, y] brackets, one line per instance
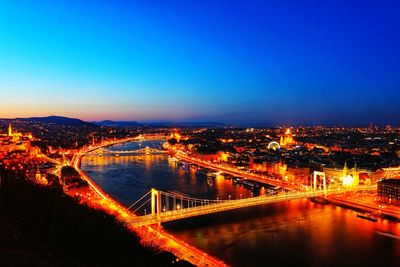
[237, 180]
[250, 184]
[319, 200]
[387, 234]
[367, 216]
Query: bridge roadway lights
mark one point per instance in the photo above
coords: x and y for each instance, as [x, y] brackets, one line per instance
[157, 216]
[147, 151]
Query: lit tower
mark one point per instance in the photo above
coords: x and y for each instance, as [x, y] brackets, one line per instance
[10, 130]
[286, 138]
[350, 177]
[345, 169]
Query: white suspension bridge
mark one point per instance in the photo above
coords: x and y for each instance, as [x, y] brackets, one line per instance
[171, 206]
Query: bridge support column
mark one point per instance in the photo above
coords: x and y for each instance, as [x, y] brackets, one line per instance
[321, 174]
[315, 181]
[155, 203]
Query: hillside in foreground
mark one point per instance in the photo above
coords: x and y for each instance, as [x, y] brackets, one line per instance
[40, 226]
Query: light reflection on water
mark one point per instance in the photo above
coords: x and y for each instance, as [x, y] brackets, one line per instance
[128, 177]
[292, 233]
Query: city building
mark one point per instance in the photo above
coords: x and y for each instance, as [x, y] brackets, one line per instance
[13, 141]
[349, 176]
[286, 139]
[389, 172]
[389, 191]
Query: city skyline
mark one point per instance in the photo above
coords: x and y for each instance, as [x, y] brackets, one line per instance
[242, 63]
[277, 195]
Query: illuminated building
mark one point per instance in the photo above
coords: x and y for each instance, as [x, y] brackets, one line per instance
[257, 166]
[350, 177]
[286, 139]
[281, 169]
[211, 157]
[226, 140]
[176, 136]
[10, 133]
[390, 172]
[364, 176]
[389, 191]
[40, 178]
[223, 156]
[15, 141]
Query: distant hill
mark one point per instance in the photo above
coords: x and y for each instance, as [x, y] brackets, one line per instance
[118, 123]
[58, 120]
[158, 124]
[187, 124]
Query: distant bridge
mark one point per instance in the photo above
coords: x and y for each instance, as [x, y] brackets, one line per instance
[147, 150]
[171, 206]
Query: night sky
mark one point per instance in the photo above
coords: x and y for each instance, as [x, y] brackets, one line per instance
[244, 62]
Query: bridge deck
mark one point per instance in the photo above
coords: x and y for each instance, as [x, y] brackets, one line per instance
[135, 151]
[227, 205]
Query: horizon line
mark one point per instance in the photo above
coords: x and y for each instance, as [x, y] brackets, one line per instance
[227, 124]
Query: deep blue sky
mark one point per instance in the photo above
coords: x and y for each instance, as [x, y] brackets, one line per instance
[280, 62]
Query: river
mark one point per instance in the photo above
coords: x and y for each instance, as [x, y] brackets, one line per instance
[290, 233]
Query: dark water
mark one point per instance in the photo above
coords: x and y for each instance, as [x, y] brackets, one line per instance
[292, 233]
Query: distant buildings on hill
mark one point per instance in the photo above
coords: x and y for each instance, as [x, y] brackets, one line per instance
[15, 142]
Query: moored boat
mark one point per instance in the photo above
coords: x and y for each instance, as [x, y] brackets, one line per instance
[236, 180]
[387, 234]
[319, 200]
[367, 216]
[250, 183]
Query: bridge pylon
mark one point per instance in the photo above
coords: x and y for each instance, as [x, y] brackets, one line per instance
[320, 174]
[155, 203]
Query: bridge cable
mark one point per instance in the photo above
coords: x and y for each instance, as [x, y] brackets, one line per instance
[174, 195]
[142, 205]
[137, 201]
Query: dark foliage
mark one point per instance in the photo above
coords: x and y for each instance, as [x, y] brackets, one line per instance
[44, 227]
